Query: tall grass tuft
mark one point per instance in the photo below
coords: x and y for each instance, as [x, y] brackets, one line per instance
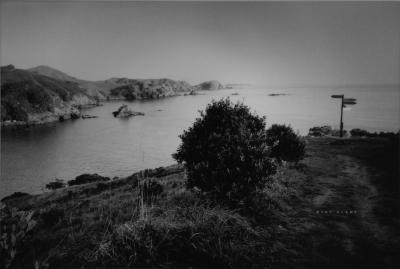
[183, 234]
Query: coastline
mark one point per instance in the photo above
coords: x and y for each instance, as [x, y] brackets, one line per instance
[76, 110]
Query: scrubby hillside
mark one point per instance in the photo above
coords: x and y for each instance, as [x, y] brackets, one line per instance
[51, 72]
[125, 88]
[29, 97]
[148, 88]
[97, 89]
[336, 209]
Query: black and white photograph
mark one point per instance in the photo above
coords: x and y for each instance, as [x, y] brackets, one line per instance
[199, 134]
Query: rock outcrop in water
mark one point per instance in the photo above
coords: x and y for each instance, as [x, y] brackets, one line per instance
[124, 112]
[277, 94]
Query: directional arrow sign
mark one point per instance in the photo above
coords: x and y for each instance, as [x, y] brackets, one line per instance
[346, 108]
[344, 105]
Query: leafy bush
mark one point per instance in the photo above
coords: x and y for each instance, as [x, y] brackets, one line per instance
[14, 226]
[150, 189]
[15, 195]
[363, 133]
[225, 151]
[320, 131]
[56, 184]
[285, 144]
[87, 178]
[52, 216]
[359, 132]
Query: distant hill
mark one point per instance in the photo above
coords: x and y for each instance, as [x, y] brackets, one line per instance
[97, 89]
[42, 93]
[121, 88]
[209, 86]
[33, 98]
[51, 72]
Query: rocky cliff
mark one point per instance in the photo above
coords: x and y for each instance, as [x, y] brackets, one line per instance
[30, 98]
[44, 94]
[120, 88]
[130, 89]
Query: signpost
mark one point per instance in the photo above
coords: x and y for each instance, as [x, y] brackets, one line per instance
[344, 102]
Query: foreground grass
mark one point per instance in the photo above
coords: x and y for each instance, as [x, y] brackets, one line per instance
[117, 224]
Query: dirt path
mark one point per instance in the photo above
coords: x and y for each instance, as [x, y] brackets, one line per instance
[345, 202]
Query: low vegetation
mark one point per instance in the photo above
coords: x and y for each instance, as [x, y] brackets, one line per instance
[226, 153]
[177, 217]
[56, 184]
[285, 144]
[87, 178]
[328, 131]
[112, 224]
[364, 133]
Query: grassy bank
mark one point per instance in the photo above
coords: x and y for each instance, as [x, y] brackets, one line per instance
[338, 207]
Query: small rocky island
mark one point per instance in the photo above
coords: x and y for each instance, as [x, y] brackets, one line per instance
[124, 112]
[277, 94]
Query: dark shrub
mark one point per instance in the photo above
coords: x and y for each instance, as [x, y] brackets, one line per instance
[150, 189]
[375, 134]
[52, 216]
[364, 133]
[225, 151]
[285, 144]
[15, 195]
[56, 184]
[336, 132]
[320, 131]
[162, 171]
[387, 134]
[359, 132]
[87, 178]
[102, 186]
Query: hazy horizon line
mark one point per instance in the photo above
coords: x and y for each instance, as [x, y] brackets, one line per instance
[250, 84]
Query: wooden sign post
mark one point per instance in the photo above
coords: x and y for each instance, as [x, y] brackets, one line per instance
[344, 101]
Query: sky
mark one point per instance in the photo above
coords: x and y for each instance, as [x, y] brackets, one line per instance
[264, 43]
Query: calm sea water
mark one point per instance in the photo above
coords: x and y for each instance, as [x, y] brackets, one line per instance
[110, 146]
